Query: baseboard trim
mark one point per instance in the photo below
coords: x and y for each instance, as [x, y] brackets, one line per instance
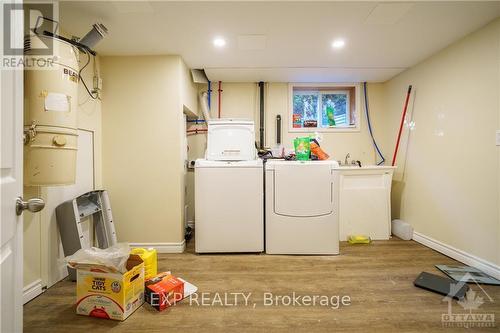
[32, 290]
[459, 255]
[163, 247]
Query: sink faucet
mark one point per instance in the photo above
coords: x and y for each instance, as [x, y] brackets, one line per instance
[346, 160]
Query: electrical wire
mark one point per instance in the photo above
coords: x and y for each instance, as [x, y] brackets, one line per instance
[81, 78]
[370, 126]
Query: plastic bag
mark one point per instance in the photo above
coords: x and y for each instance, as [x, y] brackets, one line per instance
[317, 151]
[114, 257]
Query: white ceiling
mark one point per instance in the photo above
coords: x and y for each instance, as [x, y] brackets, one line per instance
[294, 38]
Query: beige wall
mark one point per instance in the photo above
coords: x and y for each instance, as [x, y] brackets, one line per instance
[241, 100]
[450, 187]
[336, 144]
[143, 126]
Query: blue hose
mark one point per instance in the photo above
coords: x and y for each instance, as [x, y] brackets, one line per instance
[370, 127]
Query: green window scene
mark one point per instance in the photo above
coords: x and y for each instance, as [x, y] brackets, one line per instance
[321, 109]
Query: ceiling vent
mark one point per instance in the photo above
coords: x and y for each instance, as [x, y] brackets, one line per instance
[388, 13]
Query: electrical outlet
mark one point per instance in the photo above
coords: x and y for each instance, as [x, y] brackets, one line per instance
[497, 138]
[97, 83]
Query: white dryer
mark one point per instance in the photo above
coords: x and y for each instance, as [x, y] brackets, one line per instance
[300, 207]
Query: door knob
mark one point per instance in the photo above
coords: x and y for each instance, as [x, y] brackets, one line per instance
[33, 205]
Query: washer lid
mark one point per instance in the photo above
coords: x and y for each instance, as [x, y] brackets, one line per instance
[230, 121]
[303, 190]
[230, 140]
[203, 163]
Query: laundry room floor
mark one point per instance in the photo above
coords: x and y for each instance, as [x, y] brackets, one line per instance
[378, 278]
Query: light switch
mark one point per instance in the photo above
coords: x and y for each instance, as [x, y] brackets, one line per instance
[497, 138]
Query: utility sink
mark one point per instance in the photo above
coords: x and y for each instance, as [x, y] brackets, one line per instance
[363, 200]
[365, 167]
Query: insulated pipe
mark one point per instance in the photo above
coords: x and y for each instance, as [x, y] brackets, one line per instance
[261, 116]
[401, 126]
[220, 97]
[204, 107]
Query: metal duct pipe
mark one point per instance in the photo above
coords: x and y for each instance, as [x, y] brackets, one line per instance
[94, 36]
[261, 115]
[204, 107]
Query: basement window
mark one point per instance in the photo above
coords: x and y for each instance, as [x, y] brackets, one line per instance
[323, 108]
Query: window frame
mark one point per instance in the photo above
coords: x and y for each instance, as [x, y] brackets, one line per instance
[324, 90]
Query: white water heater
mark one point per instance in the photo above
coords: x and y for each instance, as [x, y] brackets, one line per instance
[50, 114]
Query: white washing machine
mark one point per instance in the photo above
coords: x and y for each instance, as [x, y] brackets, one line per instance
[229, 200]
[300, 207]
[229, 190]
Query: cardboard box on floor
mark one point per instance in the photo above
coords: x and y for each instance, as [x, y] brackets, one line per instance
[106, 293]
[164, 290]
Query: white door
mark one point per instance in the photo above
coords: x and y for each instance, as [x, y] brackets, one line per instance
[11, 228]
[11, 181]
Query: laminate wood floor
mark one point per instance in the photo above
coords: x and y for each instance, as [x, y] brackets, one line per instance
[378, 278]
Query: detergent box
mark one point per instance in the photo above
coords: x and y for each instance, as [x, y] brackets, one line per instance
[164, 290]
[106, 293]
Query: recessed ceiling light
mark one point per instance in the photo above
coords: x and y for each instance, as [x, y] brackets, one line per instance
[338, 43]
[219, 42]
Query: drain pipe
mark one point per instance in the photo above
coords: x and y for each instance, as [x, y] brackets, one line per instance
[261, 114]
[220, 97]
[278, 129]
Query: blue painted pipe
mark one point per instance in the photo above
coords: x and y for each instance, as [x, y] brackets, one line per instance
[209, 97]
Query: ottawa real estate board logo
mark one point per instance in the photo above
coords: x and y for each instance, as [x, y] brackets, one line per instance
[26, 28]
[470, 316]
